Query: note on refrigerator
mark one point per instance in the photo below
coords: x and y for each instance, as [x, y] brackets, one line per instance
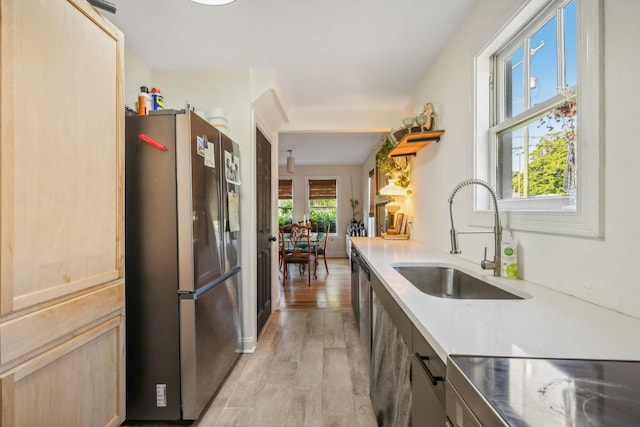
[232, 168]
[210, 156]
[201, 145]
[234, 206]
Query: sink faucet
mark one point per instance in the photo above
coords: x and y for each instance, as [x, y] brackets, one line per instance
[497, 228]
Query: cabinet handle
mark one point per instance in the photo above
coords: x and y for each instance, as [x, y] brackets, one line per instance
[434, 379]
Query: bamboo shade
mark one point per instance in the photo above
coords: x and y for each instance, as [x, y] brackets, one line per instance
[322, 189]
[285, 189]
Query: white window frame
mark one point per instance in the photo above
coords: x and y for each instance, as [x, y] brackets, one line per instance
[337, 178]
[540, 215]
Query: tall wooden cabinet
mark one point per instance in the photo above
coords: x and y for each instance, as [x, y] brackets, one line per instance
[61, 216]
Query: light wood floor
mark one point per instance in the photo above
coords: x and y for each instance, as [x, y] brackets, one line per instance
[330, 291]
[309, 367]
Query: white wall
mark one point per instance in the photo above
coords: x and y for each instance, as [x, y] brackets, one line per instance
[136, 74]
[346, 176]
[207, 89]
[596, 270]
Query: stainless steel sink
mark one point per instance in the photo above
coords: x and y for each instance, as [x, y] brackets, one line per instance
[445, 282]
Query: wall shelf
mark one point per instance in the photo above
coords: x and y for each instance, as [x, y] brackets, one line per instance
[409, 142]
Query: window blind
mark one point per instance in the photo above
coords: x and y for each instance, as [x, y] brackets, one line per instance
[285, 189]
[322, 189]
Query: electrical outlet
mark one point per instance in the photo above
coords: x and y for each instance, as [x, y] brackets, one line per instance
[161, 395]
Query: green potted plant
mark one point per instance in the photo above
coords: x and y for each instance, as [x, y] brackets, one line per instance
[397, 167]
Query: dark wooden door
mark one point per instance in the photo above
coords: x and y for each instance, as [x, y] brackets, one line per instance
[263, 232]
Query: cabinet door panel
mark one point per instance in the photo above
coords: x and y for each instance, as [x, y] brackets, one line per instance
[75, 384]
[61, 152]
[21, 337]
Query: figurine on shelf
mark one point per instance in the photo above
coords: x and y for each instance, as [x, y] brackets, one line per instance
[427, 113]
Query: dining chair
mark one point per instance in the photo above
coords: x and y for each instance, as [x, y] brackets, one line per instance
[321, 249]
[283, 244]
[282, 247]
[301, 251]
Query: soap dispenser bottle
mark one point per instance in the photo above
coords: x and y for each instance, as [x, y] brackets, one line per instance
[509, 254]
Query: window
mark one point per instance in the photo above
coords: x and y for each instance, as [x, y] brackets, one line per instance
[538, 137]
[285, 202]
[323, 202]
[536, 115]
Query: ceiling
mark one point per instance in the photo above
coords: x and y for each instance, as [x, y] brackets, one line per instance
[327, 148]
[327, 55]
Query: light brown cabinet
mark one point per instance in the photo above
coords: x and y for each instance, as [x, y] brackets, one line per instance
[61, 215]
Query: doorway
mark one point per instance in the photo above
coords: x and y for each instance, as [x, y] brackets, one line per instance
[263, 229]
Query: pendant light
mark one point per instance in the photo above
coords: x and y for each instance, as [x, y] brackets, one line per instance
[213, 2]
[290, 163]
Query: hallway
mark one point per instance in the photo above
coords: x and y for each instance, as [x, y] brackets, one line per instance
[308, 368]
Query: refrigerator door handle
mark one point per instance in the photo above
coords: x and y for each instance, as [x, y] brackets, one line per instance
[204, 289]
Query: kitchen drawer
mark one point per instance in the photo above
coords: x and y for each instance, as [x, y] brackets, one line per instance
[431, 360]
[458, 413]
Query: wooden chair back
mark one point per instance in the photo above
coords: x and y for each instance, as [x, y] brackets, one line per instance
[300, 237]
[299, 251]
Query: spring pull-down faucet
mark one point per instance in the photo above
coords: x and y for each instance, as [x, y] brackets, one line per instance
[497, 228]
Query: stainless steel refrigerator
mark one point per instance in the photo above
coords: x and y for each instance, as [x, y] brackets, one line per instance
[182, 263]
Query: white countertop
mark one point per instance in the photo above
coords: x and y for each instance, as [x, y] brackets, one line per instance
[546, 324]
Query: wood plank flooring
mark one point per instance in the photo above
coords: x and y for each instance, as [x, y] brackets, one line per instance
[309, 367]
[308, 370]
[330, 291]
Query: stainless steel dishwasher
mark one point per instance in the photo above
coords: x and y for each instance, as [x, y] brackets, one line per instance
[364, 322]
[355, 285]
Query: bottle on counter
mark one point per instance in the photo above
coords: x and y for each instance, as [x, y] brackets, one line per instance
[157, 100]
[144, 101]
[509, 256]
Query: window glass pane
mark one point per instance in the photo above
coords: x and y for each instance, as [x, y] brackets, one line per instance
[323, 211]
[570, 45]
[514, 83]
[543, 56]
[538, 159]
[511, 156]
[285, 212]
